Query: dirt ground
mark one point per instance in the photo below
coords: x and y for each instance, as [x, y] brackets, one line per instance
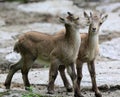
[18, 91]
[17, 21]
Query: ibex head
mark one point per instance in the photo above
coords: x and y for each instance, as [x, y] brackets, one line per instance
[95, 20]
[70, 20]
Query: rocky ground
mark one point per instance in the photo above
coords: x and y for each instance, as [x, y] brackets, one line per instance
[16, 19]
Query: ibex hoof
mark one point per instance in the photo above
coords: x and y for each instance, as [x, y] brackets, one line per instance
[76, 95]
[50, 92]
[69, 89]
[27, 88]
[98, 95]
[7, 86]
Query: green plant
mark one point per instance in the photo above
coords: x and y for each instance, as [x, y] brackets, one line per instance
[31, 93]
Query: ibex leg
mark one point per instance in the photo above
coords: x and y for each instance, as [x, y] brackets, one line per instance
[53, 72]
[13, 69]
[27, 64]
[71, 72]
[64, 78]
[91, 67]
[79, 67]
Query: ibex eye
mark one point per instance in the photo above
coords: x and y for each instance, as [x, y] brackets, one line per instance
[101, 23]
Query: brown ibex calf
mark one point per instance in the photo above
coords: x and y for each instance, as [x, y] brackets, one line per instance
[89, 50]
[60, 49]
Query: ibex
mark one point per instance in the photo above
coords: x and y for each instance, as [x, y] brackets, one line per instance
[60, 49]
[89, 49]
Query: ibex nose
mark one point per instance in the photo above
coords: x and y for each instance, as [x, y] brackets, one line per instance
[93, 29]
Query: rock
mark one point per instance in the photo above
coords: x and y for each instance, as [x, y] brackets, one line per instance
[104, 87]
[50, 7]
[2, 90]
[111, 49]
[13, 57]
[2, 22]
[109, 7]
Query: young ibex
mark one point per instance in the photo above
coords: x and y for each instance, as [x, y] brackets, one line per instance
[89, 49]
[60, 49]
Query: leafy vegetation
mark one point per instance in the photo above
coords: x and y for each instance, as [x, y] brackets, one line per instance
[30, 93]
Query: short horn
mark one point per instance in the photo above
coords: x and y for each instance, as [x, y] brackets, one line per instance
[70, 14]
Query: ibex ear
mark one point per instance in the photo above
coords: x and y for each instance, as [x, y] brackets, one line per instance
[86, 15]
[104, 18]
[88, 18]
[90, 14]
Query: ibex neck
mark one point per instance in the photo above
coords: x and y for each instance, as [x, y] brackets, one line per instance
[71, 33]
[93, 39]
